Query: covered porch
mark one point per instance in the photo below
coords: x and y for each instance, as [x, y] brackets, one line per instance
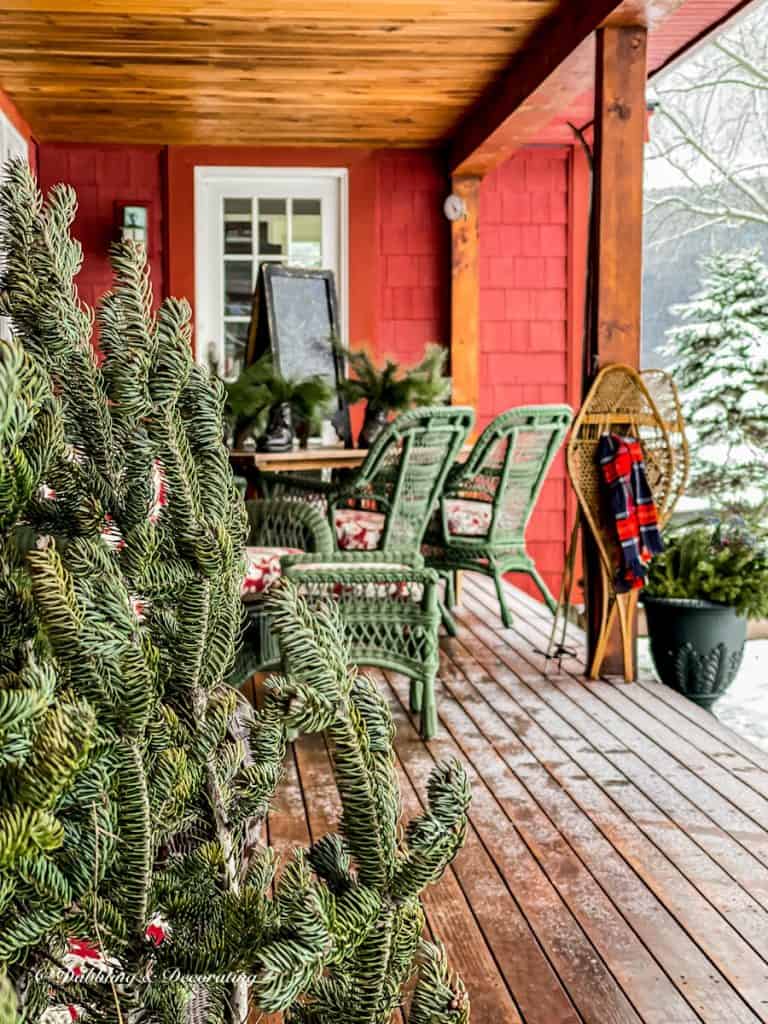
[531, 115]
[616, 867]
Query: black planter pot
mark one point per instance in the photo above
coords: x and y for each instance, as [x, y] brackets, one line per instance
[373, 424]
[696, 646]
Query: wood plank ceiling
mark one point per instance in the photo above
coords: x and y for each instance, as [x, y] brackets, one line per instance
[338, 72]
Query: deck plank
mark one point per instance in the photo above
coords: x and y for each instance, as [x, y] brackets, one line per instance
[543, 731]
[579, 966]
[582, 708]
[722, 797]
[616, 868]
[536, 987]
[544, 775]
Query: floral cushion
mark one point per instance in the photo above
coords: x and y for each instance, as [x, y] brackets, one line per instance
[403, 590]
[467, 518]
[357, 529]
[263, 569]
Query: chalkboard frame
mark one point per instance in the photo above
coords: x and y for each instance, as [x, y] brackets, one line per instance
[264, 331]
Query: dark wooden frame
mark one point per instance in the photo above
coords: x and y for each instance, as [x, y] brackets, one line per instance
[264, 336]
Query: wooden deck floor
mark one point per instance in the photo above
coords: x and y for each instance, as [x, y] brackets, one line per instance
[616, 869]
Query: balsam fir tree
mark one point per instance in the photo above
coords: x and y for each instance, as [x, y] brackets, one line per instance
[719, 359]
[132, 778]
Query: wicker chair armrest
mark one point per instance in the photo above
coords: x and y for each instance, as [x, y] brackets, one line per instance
[361, 567]
[278, 522]
[288, 483]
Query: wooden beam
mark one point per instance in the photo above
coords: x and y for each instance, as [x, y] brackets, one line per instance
[465, 295]
[557, 65]
[620, 125]
[617, 243]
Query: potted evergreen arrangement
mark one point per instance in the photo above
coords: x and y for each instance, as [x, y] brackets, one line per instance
[710, 579]
[393, 388]
[271, 408]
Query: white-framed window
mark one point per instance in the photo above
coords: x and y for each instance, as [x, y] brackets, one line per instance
[245, 216]
[12, 143]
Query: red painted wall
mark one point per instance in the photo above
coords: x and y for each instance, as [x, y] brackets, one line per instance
[524, 292]
[414, 241]
[102, 176]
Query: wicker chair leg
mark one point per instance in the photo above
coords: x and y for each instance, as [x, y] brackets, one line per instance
[506, 618]
[429, 709]
[549, 601]
[448, 620]
[416, 696]
[450, 590]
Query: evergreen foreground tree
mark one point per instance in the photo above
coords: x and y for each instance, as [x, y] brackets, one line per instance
[719, 358]
[133, 887]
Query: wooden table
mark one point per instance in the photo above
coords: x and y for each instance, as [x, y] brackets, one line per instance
[297, 459]
[335, 457]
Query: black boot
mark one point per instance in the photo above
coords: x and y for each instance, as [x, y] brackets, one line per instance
[279, 435]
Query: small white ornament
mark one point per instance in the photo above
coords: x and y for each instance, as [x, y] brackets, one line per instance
[454, 207]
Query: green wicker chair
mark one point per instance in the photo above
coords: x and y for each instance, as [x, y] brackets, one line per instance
[487, 501]
[397, 486]
[277, 528]
[390, 613]
[380, 515]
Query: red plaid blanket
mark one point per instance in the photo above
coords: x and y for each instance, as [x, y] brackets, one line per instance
[632, 506]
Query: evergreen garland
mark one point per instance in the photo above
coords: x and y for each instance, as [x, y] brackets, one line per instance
[132, 779]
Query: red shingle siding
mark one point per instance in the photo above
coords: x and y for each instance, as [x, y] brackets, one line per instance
[414, 246]
[523, 314]
[102, 176]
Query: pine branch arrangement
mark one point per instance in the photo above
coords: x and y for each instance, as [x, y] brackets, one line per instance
[132, 779]
[370, 882]
[392, 387]
[260, 387]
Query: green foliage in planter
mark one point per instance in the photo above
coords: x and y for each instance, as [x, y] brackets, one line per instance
[717, 560]
[396, 388]
[260, 387]
[133, 780]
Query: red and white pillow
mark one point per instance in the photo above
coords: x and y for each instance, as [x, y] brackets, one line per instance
[467, 518]
[358, 529]
[263, 569]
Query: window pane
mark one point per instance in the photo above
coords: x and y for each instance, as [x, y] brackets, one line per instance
[237, 227]
[235, 340]
[237, 287]
[306, 233]
[272, 227]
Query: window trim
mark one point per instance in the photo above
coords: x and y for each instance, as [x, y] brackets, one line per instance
[205, 240]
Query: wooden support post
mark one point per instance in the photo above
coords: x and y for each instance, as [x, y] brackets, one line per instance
[614, 337]
[620, 125]
[465, 295]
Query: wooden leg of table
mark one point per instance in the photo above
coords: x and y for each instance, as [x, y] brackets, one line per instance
[458, 585]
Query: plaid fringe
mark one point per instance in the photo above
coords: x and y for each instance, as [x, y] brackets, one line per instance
[632, 506]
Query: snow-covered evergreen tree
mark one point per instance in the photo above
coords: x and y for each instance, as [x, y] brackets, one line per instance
[719, 359]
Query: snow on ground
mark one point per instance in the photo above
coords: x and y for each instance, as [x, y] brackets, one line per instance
[744, 708]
